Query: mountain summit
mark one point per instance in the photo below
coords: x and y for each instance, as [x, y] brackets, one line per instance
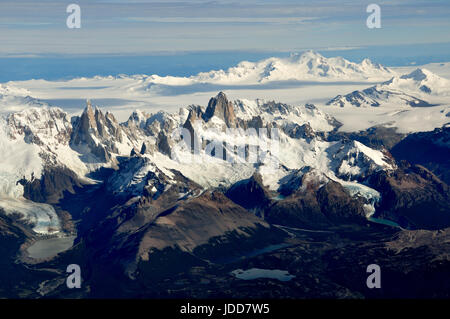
[306, 66]
[421, 80]
[222, 108]
[418, 88]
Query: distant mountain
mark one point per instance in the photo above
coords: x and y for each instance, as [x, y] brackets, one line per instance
[430, 149]
[306, 66]
[13, 99]
[419, 88]
[421, 80]
[299, 67]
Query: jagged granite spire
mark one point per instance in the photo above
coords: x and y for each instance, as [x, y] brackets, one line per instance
[222, 108]
[94, 126]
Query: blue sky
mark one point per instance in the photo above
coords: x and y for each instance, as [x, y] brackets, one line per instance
[30, 28]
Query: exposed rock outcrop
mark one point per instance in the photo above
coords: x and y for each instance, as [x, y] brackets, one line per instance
[413, 197]
[430, 149]
[250, 193]
[222, 108]
[97, 133]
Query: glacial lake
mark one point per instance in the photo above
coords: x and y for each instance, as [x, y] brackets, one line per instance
[384, 222]
[47, 248]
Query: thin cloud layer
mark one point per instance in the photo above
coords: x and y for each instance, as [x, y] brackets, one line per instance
[144, 26]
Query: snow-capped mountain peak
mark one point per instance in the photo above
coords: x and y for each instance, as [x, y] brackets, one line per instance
[418, 88]
[6, 89]
[306, 66]
[43, 126]
[307, 55]
[421, 80]
[13, 99]
[311, 65]
[418, 75]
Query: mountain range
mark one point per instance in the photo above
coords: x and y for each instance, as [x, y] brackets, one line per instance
[171, 204]
[14, 98]
[420, 88]
[306, 66]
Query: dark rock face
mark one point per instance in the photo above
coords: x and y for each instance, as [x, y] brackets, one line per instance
[292, 182]
[12, 236]
[376, 137]
[413, 197]
[97, 132]
[83, 125]
[298, 211]
[222, 108]
[274, 107]
[171, 236]
[164, 218]
[164, 144]
[250, 193]
[430, 149]
[337, 204]
[51, 186]
[317, 207]
[256, 122]
[147, 148]
[195, 114]
[307, 201]
[210, 215]
[304, 131]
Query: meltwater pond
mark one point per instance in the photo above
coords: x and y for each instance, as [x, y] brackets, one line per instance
[46, 248]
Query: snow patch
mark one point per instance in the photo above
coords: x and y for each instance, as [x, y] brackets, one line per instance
[18, 160]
